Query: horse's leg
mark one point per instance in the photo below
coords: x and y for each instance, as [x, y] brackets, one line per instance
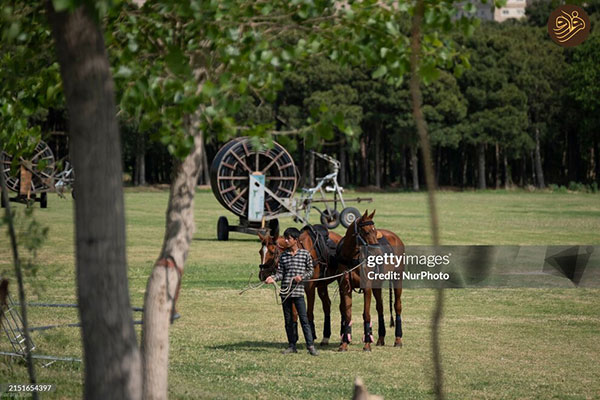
[398, 309]
[324, 296]
[346, 309]
[342, 312]
[380, 317]
[295, 322]
[310, 308]
[368, 326]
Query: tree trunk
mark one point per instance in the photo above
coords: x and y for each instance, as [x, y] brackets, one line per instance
[522, 178]
[163, 285]
[481, 166]
[507, 178]
[403, 168]
[438, 165]
[378, 160]
[596, 160]
[139, 176]
[352, 169]
[414, 166]
[140, 164]
[111, 356]
[205, 171]
[563, 164]
[538, 161]
[140, 167]
[343, 167]
[311, 169]
[533, 177]
[497, 166]
[364, 162]
[464, 167]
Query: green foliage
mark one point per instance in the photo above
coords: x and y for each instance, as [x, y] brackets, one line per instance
[30, 77]
[172, 59]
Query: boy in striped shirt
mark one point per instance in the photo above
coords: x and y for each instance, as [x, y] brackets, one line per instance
[295, 265]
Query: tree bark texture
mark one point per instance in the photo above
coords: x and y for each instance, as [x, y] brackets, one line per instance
[481, 166]
[414, 166]
[111, 355]
[464, 167]
[163, 285]
[497, 171]
[538, 161]
[378, 155]
[140, 161]
[507, 179]
[596, 161]
[343, 162]
[311, 169]
[403, 168]
[533, 174]
[364, 162]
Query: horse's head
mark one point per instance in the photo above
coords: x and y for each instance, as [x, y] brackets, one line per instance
[364, 229]
[270, 249]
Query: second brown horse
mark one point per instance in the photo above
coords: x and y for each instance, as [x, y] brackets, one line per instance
[361, 233]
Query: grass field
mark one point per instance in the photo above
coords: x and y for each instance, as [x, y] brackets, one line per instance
[496, 343]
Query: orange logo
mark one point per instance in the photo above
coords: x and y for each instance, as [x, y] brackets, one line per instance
[568, 25]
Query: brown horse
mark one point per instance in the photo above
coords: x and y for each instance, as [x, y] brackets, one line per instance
[272, 247]
[363, 232]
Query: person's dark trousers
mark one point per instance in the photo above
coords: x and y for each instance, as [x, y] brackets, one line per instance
[290, 330]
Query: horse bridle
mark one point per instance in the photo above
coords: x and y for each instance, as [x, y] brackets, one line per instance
[274, 261]
[357, 232]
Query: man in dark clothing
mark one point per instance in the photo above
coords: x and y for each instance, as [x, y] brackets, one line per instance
[295, 265]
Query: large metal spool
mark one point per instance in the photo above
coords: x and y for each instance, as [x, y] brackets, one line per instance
[231, 167]
[38, 169]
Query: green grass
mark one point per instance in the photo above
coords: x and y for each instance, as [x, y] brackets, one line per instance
[496, 343]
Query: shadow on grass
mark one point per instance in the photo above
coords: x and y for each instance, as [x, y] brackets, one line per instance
[261, 346]
[250, 239]
[249, 345]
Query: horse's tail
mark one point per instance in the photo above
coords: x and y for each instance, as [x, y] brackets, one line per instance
[391, 308]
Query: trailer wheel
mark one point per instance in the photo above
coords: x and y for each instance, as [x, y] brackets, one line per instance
[274, 227]
[348, 216]
[223, 229]
[44, 200]
[330, 218]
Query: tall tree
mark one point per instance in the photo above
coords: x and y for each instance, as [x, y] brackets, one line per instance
[112, 358]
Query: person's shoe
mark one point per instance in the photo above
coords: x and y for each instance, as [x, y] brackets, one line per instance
[289, 350]
[312, 351]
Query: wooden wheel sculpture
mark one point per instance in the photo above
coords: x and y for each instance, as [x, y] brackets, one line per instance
[230, 180]
[33, 177]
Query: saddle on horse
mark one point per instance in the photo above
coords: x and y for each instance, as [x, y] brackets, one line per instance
[324, 247]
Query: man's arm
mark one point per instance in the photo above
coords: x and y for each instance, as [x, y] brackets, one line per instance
[308, 271]
[278, 275]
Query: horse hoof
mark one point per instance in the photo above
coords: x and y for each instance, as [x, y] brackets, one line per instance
[398, 342]
[324, 342]
[367, 347]
[380, 342]
[343, 347]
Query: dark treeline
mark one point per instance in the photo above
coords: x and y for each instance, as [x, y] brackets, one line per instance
[525, 113]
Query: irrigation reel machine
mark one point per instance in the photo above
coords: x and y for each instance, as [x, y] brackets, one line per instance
[35, 176]
[258, 185]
